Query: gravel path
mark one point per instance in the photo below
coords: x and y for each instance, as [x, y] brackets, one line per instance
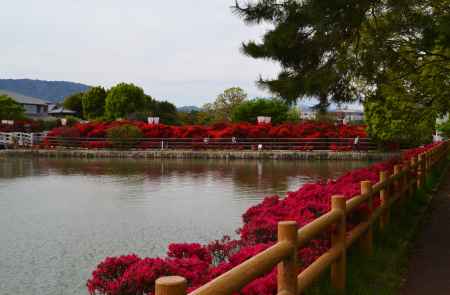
[429, 269]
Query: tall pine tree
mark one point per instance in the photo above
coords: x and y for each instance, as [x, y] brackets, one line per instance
[340, 50]
[310, 40]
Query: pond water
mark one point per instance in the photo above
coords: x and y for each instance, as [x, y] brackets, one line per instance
[60, 217]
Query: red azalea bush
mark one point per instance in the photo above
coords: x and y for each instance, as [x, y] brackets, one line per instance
[130, 275]
[307, 129]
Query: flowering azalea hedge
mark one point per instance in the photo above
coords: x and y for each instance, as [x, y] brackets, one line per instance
[94, 134]
[130, 274]
[222, 130]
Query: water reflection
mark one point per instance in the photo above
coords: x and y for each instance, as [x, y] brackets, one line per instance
[261, 175]
[60, 217]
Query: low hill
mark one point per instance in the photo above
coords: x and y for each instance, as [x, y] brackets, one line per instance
[188, 109]
[24, 99]
[53, 91]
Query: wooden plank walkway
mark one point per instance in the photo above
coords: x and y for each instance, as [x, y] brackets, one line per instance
[429, 269]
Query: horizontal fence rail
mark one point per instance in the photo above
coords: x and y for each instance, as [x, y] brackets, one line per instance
[304, 144]
[406, 178]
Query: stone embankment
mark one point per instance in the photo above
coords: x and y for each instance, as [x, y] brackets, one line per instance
[190, 154]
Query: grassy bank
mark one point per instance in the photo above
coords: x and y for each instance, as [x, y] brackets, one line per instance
[384, 273]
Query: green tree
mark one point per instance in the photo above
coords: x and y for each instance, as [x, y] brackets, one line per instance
[74, 103]
[224, 104]
[405, 51]
[147, 110]
[249, 111]
[124, 100]
[167, 112]
[10, 109]
[310, 41]
[93, 102]
[403, 121]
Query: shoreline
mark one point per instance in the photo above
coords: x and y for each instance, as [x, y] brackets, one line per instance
[207, 155]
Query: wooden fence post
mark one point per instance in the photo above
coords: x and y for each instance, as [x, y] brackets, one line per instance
[288, 268]
[406, 178]
[414, 174]
[171, 286]
[443, 155]
[339, 267]
[366, 242]
[384, 197]
[432, 158]
[398, 181]
[420, 171]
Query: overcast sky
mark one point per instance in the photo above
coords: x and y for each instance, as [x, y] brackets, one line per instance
[183, 51]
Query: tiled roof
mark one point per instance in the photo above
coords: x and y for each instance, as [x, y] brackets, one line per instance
[23, 99]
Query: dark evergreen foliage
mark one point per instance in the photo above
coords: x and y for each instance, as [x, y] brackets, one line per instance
[74, 103]
[310, 40]
[340, 50]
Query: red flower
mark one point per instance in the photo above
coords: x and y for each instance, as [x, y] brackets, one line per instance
[202, 263]
[307, 130]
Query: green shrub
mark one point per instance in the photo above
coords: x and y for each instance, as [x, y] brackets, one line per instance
[124, 136]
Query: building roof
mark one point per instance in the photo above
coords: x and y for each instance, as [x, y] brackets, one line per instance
[23, 99]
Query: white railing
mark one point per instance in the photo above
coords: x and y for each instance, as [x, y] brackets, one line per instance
[21, 138]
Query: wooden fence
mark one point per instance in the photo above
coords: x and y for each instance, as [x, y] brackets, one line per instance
[215, 143]
[402, 184]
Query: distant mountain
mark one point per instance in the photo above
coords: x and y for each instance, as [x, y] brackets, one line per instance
[188, 109]
[53, 91]
[23, 99]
